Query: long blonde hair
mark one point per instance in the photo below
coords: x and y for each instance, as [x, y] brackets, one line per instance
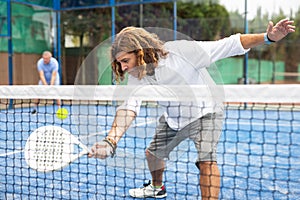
[147, 47]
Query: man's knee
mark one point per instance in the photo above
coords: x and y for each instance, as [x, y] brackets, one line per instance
[203, 165]
[149, 156]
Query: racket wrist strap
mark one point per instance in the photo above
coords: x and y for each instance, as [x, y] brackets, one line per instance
[112, 144]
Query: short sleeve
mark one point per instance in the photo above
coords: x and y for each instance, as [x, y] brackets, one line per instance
[131, 104]
[40, 65]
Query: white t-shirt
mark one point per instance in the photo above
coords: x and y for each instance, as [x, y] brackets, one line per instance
[186, 64]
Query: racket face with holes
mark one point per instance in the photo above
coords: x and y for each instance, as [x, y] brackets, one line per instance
[51, 148]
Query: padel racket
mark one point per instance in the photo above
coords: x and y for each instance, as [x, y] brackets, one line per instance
[51, 148]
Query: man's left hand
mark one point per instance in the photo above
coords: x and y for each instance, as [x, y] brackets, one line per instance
[280, 30]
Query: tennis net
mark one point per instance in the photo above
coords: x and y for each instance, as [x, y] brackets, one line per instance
[258, 152]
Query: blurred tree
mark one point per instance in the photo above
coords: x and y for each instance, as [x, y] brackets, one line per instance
[201, 20]
[89, 25]
[147, 15]
[205, 21]
[291, 48]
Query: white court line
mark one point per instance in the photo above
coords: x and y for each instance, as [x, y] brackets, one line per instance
[150, 121]
[11, 153]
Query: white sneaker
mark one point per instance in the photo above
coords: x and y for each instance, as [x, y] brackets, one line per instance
[148, 191]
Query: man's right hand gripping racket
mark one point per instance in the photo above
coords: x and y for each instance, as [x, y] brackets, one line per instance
[51, 148]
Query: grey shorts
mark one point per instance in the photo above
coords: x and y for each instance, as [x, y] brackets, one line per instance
[204, 132]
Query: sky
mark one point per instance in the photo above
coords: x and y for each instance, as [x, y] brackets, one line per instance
[270, 6]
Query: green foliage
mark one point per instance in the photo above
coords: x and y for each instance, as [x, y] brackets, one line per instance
[91, 23]
[203, 21]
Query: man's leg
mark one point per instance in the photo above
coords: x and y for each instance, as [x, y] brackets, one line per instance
[209, 180]
[156, 167]
[206, 143]
[155, 188]
[162, 143]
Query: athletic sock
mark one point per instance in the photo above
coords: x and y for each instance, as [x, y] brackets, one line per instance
[156, 187]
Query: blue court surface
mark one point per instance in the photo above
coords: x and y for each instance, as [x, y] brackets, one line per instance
[258, 157]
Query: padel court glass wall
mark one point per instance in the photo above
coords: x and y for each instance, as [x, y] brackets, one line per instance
[27, 28]
[72, 29]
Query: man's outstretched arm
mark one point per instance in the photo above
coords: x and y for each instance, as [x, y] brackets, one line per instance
[273, 34]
